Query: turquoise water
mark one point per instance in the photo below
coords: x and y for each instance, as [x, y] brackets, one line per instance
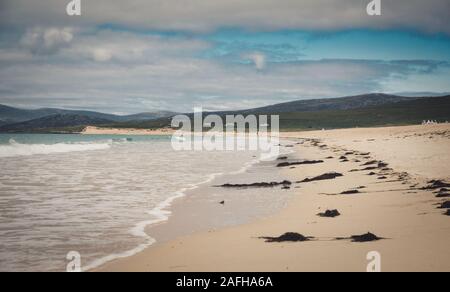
[75, 138]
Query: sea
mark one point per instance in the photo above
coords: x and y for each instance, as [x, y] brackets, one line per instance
[94, 195]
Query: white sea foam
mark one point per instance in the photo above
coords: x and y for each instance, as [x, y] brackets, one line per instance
[161, 214]
[98, 203]
[14, 149]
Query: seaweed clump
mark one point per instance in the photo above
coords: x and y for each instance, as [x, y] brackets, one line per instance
[288, 237]
[329, 213]
[325, 176]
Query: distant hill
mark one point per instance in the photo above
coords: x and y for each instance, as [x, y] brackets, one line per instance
[147, 124]
[10, 115]
[357, 111]
[15, 115]
[400, 113]
[340, 103]
[148, 116]
[54, 123]
[408, 111]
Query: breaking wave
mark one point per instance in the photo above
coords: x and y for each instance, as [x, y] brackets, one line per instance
[13, 149]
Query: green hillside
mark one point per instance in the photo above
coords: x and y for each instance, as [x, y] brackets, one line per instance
[402, 113]
[395, 113]
[399, 113]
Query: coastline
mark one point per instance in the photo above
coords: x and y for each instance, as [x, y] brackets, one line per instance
[162, 213]
[91, 130]
[392, 207]
[168, 225]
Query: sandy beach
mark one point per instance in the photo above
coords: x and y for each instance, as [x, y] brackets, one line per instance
[224, 136]
[91, 130]
[384, 187]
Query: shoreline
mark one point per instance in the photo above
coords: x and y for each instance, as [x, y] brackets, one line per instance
[244, 251]
[164, 213]
[91, 130]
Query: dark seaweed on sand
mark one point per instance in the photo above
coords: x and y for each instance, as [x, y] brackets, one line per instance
[285, 164]
[350, 192]
[445, 205]
[370, 168]
[367, 237]
[370, 163]
[282, 158]
[441, 194]
[329, 213]
[325, 176]
[442, 190]
[288, 237]
[436, 184]
[382, 164]
[258, 185]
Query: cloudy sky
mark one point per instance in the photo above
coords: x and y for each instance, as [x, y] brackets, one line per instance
[144, 55]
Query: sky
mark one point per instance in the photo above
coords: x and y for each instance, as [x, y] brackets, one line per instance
[134, 56]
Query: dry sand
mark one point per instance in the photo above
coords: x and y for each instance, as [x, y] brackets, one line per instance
[417, 233]
[91, 130]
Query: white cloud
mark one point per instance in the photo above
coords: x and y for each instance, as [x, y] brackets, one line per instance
[101, 46]
[126, 72]
[258, 59]
[202, 15]
[109, 45]
[67, 62]
[101, 55]
[47, 40]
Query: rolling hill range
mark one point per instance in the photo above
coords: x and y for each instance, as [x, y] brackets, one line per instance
[10, 115]
[400, 112]
[60, 123]
[340, 103]
[357, 111]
